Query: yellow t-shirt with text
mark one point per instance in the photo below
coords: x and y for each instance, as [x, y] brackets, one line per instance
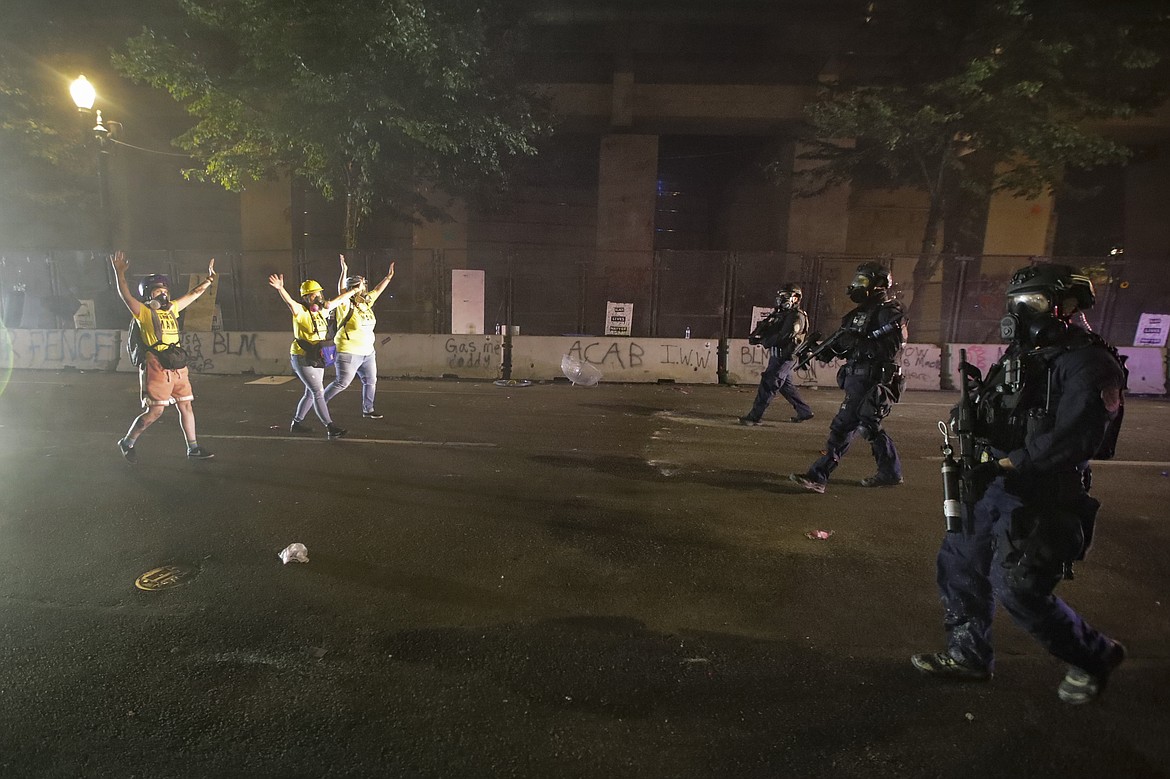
[168, 322]
[308, 326]
[357, 336]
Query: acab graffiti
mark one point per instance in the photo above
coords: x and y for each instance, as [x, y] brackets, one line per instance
[625, 353]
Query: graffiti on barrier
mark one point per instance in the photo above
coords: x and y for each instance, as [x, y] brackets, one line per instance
[472, 354]
[921, 364]
[625, 354]
[681, 355]
[65, 348]
[222, 344]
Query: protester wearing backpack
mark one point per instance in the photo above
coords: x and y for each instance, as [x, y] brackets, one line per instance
[312, 349]
[161, 360]
[355, 338]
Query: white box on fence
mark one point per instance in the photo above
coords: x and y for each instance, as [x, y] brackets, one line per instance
[758, 314]
[618, 318]
[1152, 330]
[84, 318]
[467, 302]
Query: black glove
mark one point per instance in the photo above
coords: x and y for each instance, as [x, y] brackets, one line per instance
[983, 474]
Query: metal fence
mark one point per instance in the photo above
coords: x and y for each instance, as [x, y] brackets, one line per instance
[552, 291]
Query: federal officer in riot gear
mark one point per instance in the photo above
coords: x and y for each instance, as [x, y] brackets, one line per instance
[781, 333]
[1052, 403]
[869, 340]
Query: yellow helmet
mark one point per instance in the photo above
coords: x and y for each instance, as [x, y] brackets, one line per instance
[309, 287]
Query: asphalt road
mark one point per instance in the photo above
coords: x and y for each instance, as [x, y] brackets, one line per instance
[539, 581]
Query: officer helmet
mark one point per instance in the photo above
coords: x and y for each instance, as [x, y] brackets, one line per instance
[354, 281]
[788, 296]
[871, 280]
[150, 283]
[1041, 289]
[310, 287]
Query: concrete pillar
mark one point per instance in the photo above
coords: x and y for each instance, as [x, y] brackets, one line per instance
[1144, 284]
[626, 203]
[1019, 226]
[819, 223]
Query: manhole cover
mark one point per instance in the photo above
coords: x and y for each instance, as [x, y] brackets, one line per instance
[166, 576]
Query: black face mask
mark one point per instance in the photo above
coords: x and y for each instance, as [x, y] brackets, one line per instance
[160, 302]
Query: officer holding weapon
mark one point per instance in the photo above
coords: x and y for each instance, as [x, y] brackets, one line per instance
[1019, 513]
[870, 337]
[782, 332]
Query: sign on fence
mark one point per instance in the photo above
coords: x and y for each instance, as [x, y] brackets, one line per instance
[85, 319]
[618, 318]
[1152, 330]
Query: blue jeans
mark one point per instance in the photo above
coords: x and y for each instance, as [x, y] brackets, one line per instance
[366, 368]
[314, 397]
[975, 569]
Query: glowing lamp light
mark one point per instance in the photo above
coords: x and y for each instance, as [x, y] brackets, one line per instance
[83, 93]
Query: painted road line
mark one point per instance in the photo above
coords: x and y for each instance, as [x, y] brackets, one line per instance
[386, 441]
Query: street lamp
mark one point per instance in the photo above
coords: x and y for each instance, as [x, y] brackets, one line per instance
[84, 95]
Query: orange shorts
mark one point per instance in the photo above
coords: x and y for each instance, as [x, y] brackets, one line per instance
[161, 387]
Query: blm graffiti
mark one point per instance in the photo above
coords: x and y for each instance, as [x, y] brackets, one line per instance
[203, 355]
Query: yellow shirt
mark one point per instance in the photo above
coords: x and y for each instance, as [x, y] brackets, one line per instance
[308, 326]
[357, 336]
[168, 322]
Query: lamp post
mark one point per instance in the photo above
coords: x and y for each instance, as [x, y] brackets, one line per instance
[84, 95]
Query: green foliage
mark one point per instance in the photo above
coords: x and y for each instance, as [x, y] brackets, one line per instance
[41, 141]
[365, 99]
[971, 86]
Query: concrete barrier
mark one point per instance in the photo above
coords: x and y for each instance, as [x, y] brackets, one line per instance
[1147, 369]
[535, 358]
[437, 356]
[622, 359]
[920, 363]
[57, 349]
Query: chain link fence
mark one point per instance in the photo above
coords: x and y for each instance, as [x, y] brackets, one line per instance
[553, 291]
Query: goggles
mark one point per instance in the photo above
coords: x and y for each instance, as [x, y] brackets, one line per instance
[1023, 303]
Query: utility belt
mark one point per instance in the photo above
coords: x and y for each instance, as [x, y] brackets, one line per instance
[886, 374]
[879, 372]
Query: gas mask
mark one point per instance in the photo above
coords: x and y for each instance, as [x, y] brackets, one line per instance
[1041, 299]
[786, 300]
[870, 283]
[160, 302]
[860, 290]
[1031, 320]
[315, 303]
